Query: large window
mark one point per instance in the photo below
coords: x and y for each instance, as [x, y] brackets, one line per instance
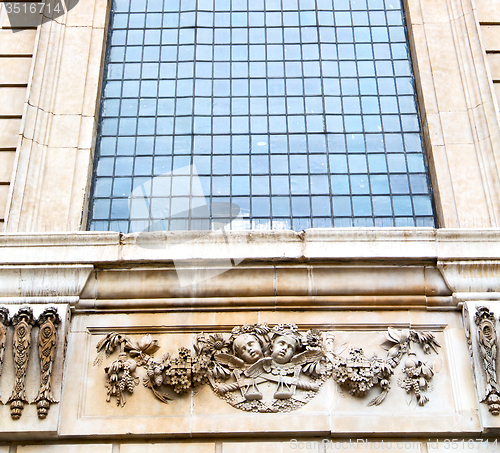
[302, 113]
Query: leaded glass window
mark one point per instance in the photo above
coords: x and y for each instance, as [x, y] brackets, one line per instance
[302, 113]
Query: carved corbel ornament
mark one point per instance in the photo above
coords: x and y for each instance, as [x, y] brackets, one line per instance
[487, 345]
[4, 322]
[48, 323]
[23, 322]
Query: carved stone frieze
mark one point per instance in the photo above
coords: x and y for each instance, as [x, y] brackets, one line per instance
[259, 368]
[48, 322]
[487, 344]
[23, 322]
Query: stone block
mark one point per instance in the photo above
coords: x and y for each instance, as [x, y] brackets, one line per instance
[457, 128]
[465, 173]
[100, 14]
[19, 43]
[490, 35]
[446, 73]
[488, 12]
[434, 12]
[55, 198]
[6, 165]
[86, 139]
[4, 195]
[15, 71]
[9, 132]
[12, 100]
[80, 14]
[413, 13]
[64, 132]
[493, 60]
[25, 21]
[73, 70]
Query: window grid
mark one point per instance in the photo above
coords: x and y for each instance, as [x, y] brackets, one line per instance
[302, 113]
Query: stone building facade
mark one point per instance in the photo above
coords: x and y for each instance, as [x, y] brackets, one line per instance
[88, 315]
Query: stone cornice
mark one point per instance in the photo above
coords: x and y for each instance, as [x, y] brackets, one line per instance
[321, 269]
[352, 244]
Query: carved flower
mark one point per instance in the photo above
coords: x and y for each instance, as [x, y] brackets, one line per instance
[314, 339]
[217, 344]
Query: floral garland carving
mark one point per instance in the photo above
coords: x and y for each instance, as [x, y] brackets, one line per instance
[358, 374]
[260, 368]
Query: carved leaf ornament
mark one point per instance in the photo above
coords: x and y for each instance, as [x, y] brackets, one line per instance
[259, 368]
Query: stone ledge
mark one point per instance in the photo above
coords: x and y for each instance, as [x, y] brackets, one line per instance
[416, 245]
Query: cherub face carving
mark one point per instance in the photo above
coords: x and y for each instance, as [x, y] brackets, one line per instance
[248, 348]
[283, 348]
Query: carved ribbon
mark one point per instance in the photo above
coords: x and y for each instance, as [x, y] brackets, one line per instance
[23, 322]
[487, 342]
[47, 340]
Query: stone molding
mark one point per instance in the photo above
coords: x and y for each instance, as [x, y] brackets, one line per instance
[270, 286]
[411, 245]
[39, 282]
[472, 276]
[386, 268]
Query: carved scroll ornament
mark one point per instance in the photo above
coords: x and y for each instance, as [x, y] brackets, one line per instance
[259, 368]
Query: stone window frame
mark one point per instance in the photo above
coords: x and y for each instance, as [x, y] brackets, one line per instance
[55, 155]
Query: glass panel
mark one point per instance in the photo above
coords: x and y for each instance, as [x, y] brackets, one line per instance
[303, 113]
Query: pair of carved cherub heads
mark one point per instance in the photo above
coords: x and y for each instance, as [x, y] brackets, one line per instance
[284, 343]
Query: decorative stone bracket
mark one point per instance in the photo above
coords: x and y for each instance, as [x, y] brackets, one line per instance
[486, 340]
[294, 366]
[22, 324]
